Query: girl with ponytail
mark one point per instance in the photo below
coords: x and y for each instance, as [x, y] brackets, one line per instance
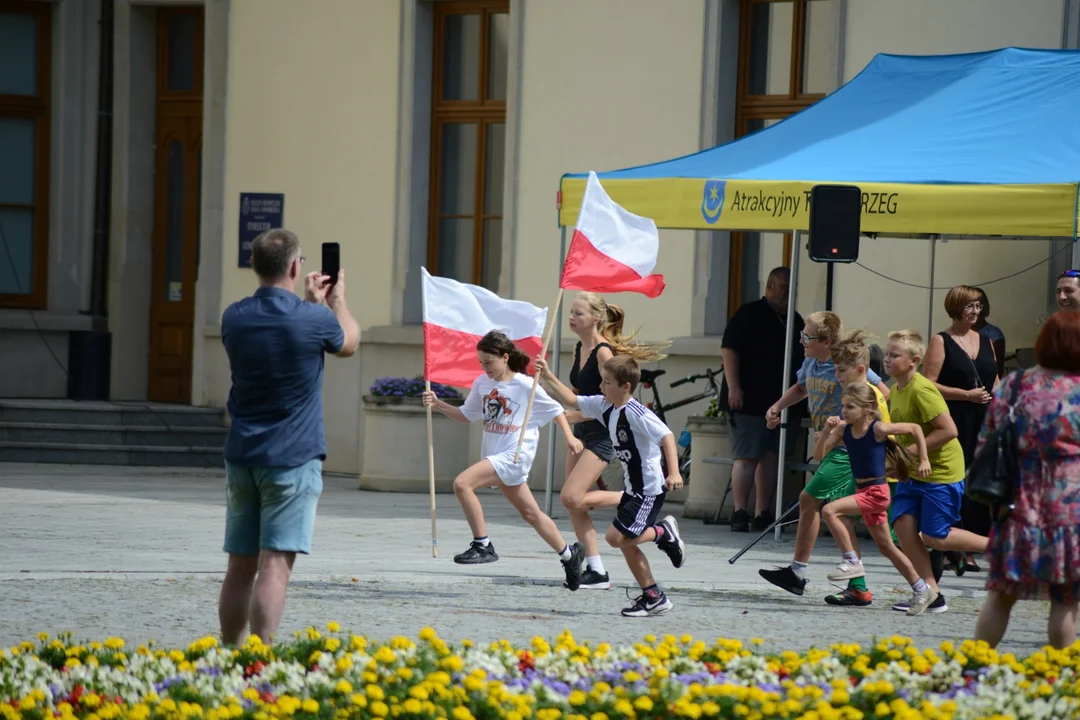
[499, 397]
[599, 327]
[874, 456]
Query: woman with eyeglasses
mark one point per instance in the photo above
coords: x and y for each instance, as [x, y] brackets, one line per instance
[961, 362]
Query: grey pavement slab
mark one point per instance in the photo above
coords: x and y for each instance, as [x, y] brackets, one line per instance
[136, 552]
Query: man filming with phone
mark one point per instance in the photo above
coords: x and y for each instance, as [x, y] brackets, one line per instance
[276, 442]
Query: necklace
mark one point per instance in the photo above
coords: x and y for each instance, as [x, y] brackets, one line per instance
[966, 347]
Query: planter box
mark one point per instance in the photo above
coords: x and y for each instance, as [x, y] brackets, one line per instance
[709, 437]
[395, 442]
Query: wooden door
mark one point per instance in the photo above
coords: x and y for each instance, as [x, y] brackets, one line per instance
[177, 174]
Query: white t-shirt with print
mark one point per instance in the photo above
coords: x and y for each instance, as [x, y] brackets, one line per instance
[501, 406]
[639, 449]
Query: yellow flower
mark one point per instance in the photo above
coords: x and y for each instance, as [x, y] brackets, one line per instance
[310, 706]
[462, 713]
[359, 700]
[333, 627]
[343, 687]
[644, 703]
[379, 709]
[427, 634]
[375, 693]
[577, 698]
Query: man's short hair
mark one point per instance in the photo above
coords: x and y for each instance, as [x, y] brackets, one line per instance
[273, 252]
[624, 369]
[777, 272]
[910, 341]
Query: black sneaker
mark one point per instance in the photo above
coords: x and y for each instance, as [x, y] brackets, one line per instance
[644, 607]
[740, 521]
[592, 580]
[763, 520]
[785, 577]
[573, 567]
[956, 562]
[672, 543]
[938, 606]
[477, 554]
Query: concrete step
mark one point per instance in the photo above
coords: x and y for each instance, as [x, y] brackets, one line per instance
[88, 454]
[141, 436]
[112, 414]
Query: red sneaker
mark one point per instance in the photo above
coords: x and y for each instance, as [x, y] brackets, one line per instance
[849, 596]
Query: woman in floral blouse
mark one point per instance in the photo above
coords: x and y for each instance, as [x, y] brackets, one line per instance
[1034, 553]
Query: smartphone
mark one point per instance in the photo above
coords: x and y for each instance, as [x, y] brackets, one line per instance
[331, 260]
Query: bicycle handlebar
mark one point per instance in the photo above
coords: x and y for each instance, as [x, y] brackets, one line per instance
[709, 374]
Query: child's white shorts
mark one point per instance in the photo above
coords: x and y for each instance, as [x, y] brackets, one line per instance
[509, 472]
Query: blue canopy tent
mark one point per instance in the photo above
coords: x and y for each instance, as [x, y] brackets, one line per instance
[973, 144]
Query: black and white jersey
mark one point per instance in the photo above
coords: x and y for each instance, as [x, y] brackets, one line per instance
[636, 433]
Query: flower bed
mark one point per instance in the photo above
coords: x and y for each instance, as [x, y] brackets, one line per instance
[338, 676]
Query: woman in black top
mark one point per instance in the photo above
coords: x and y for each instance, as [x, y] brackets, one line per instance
[961, 362]
[598, 325]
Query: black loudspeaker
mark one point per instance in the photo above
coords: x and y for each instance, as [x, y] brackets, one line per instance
[89, 361]
[835, 212]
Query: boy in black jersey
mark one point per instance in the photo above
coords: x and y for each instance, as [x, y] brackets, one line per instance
[638, 437]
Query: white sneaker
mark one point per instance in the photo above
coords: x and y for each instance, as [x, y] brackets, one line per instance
[847, 571]
[920, 601]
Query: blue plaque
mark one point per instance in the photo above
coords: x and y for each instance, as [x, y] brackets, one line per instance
[259, 212]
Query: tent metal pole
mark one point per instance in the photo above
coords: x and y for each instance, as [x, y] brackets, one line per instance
[796, 252]
[557, 353]
[930, 305]
[1076, 230]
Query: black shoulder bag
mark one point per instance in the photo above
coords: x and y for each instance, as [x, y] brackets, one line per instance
[995, 470]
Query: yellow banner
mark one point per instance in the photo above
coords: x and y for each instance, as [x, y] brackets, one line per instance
[1039, 210]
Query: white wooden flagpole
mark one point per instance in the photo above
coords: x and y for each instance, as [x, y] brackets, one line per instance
[431, 474]
[552, 319]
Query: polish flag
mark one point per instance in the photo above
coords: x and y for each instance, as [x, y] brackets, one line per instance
[457, 315]
[612, 250]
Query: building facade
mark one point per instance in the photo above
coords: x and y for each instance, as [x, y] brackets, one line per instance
[424, 133]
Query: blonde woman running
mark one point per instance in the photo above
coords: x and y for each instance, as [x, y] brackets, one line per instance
[599, 327]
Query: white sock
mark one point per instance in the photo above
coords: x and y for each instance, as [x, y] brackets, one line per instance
[920, 586]
[852, 558]
[565, 554]
[484, 541]
[595, 564]
[799, 568]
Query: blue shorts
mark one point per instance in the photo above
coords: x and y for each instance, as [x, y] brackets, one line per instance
[936, 506]
[272, 508]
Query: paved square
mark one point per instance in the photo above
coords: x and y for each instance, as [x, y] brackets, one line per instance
[136, 552]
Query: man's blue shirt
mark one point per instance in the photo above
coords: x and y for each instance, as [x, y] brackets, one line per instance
[276, 344]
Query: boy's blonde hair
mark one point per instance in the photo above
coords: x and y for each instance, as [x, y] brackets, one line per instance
[827, 323]
[852, 350]
[910, 341]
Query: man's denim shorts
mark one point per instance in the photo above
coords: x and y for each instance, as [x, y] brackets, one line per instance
[271, 508]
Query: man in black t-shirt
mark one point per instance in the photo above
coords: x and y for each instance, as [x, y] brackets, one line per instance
[753, 348]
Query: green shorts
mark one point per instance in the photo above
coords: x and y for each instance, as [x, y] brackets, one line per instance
[833, 479]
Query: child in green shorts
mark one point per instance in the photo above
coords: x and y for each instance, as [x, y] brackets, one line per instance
[817, 381]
